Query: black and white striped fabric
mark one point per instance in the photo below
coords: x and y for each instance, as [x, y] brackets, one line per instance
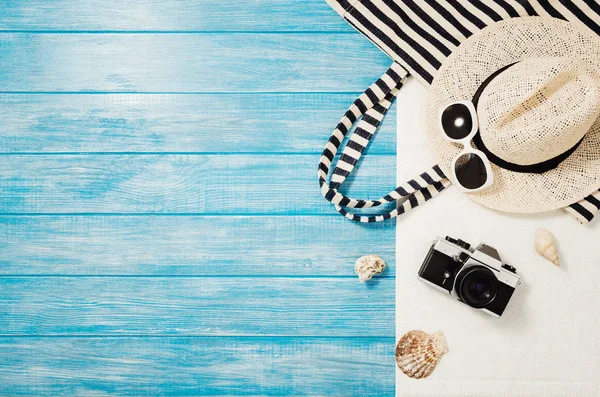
[421, 34]
[369, 110]
[585, 210]
[418, 36]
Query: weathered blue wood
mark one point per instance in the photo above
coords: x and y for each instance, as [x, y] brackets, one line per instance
[169, 15]
[301, 62]
[190, 245]
[233, 123]
[196, 306]
[292, 366]
[199, 184]
[299, 82]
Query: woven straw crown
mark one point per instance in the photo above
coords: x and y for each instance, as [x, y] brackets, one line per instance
[539, 108]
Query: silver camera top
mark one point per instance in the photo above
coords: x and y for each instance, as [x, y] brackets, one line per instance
[484, 254]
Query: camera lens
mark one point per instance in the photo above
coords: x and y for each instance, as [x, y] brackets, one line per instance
[477, 286]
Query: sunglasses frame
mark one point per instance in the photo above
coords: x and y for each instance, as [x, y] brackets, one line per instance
[467, 148]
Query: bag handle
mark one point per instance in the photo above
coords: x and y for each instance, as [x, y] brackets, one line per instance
[370, 109]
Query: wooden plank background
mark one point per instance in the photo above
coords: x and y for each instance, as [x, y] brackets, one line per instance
[161, 228]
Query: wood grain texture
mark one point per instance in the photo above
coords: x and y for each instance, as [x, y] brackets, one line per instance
[199, 184]
[197, 366]
[200, 258]
[190, 245]
[169, 15]
[196, 306]
[301, 62]
[233, 123]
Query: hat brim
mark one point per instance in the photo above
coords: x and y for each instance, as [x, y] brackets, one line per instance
[477, 58]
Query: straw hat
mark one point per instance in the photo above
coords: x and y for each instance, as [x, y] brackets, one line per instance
[536, 85]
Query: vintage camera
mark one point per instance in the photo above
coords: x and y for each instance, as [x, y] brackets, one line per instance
[476, 277]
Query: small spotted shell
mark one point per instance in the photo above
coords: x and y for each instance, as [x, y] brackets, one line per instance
[369, 265]
[418, 352]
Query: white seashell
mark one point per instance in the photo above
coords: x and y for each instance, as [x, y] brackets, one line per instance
[545, 245]
[417, 353]
[369, 265]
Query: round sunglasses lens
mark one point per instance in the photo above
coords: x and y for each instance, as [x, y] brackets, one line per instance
[456, 121]
[470, 171]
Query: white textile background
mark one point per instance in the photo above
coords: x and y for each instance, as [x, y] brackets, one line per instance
[547, 343]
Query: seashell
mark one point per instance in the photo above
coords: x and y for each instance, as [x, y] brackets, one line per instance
[417, 353]
[545, 245]
[369, 265]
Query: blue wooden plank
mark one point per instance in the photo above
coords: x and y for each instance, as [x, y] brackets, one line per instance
[198, 184]
[184, 245]
[197, 366]
[198, 306]
[233, 123]
[168, 15]
[188, 62]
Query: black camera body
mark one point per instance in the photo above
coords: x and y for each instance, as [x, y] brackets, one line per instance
[476, 277]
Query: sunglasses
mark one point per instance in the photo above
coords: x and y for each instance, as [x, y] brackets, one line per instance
[471, 168]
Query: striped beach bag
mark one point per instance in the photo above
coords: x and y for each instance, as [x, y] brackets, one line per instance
[418, 36]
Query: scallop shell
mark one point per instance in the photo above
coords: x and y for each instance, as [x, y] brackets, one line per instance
[417, 353]
[545, 245]
[369, 265]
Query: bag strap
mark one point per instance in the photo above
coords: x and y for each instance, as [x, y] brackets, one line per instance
[369, 109]
[585, 209]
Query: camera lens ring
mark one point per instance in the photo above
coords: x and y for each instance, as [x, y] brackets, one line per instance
[477, 286]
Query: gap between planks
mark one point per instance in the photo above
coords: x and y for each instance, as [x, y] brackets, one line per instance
[222, 32]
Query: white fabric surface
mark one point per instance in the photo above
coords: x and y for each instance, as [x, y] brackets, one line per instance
[547, 343]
